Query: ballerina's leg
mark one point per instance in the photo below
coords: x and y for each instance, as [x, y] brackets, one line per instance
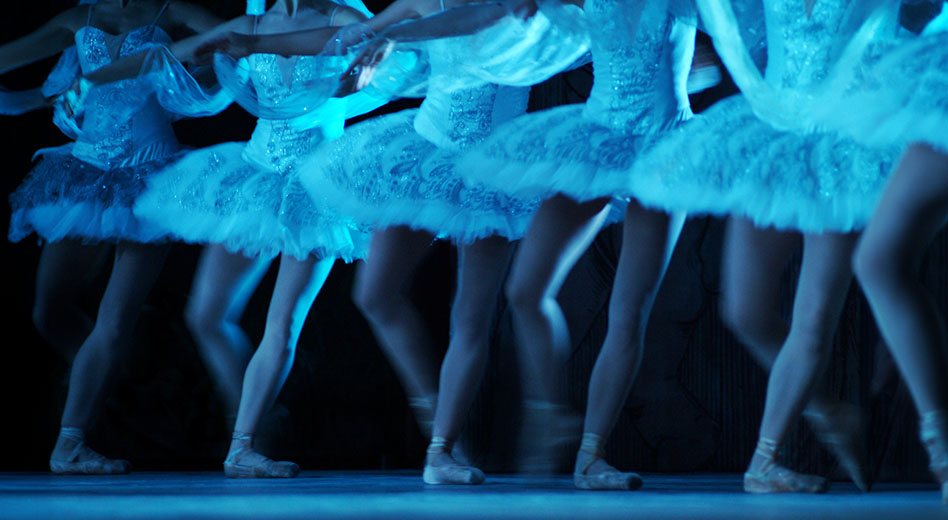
[752, 267]
[379, 291]
[135, 269]
[825, 276]
[223, 283]
[648, 239]
[67, 268]
[559, 234]
[481, 269]
[914, 207]
[298, 282]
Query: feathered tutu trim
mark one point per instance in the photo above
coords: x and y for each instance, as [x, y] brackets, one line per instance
[728, 162]
[65, 197]
[383, 174]
[214, 195]
[901, 99]
[541, 154]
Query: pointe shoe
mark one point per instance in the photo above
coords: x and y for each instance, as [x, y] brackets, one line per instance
[244, 462]
[590, 452]
[933, 431]
[778, 479]
[774, 478]
[442, 468]
[842, 430]
[83, 460]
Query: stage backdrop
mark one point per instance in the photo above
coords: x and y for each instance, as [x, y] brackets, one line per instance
[695, 407]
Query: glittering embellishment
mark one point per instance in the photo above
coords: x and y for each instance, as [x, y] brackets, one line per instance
[635, 89]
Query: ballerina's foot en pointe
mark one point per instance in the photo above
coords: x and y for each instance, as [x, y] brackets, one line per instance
[767, 476]
[442, 468]
[841, 428]
[72, 456]
[244, 462]
[933, 431]
[594, 473]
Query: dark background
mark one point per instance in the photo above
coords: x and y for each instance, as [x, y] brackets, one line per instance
[696, 405]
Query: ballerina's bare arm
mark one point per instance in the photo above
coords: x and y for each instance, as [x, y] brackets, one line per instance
[462, 17]
[51, 38]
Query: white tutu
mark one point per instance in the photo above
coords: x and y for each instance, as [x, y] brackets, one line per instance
[65, 197]
[382, 173]
[728, 162]
[221, 195]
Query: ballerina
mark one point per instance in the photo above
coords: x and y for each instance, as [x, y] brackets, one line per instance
[85, 190]
[778, 185]
[407, 190]
[246, 201]
[57, 315]
[901, 101]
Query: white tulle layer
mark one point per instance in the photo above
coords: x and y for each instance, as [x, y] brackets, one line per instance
[216, 195]
[383, 174]
[900, 100]
[728, 162]
[65, 197]
[542, 154]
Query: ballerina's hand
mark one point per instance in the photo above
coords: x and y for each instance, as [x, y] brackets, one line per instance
[363, 67]
[236, 45]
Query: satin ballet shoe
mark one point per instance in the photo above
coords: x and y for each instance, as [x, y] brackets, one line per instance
[244, 462]
[841, 428]
[933, 431]
[442, 468]
[778, 479]
[81, 459]
[774, 478]
[590, 451]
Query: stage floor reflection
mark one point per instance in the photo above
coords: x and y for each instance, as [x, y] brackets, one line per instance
[371, 495]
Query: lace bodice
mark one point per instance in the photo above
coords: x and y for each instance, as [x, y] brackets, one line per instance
[279, 144]
[799, 47]
[461, 118]
[641, 69]
[108, 138]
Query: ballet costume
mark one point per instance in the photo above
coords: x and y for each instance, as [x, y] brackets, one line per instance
[247, 196]
[86, 189]
[641, 55]
[399, 169]
[733, 159]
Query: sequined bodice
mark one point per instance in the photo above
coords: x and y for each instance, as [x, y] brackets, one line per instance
[641, 72]
[111, 137]
[799, 47]
[279, 144]
[458, 119]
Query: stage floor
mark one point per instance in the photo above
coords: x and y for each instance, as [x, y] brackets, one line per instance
[370, 495]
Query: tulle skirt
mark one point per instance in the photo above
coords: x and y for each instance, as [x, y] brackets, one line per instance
[382, 173]
[728, 162]
[901, 99]
[557, 151]
[65, 197]
[217, 195]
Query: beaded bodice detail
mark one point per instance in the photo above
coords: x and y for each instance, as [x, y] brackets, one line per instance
[799, 48]
[111, 136]
[461, 118]
[641, 72]
[279, 144]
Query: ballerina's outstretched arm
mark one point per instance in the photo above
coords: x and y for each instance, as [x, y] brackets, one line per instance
[51, 38]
